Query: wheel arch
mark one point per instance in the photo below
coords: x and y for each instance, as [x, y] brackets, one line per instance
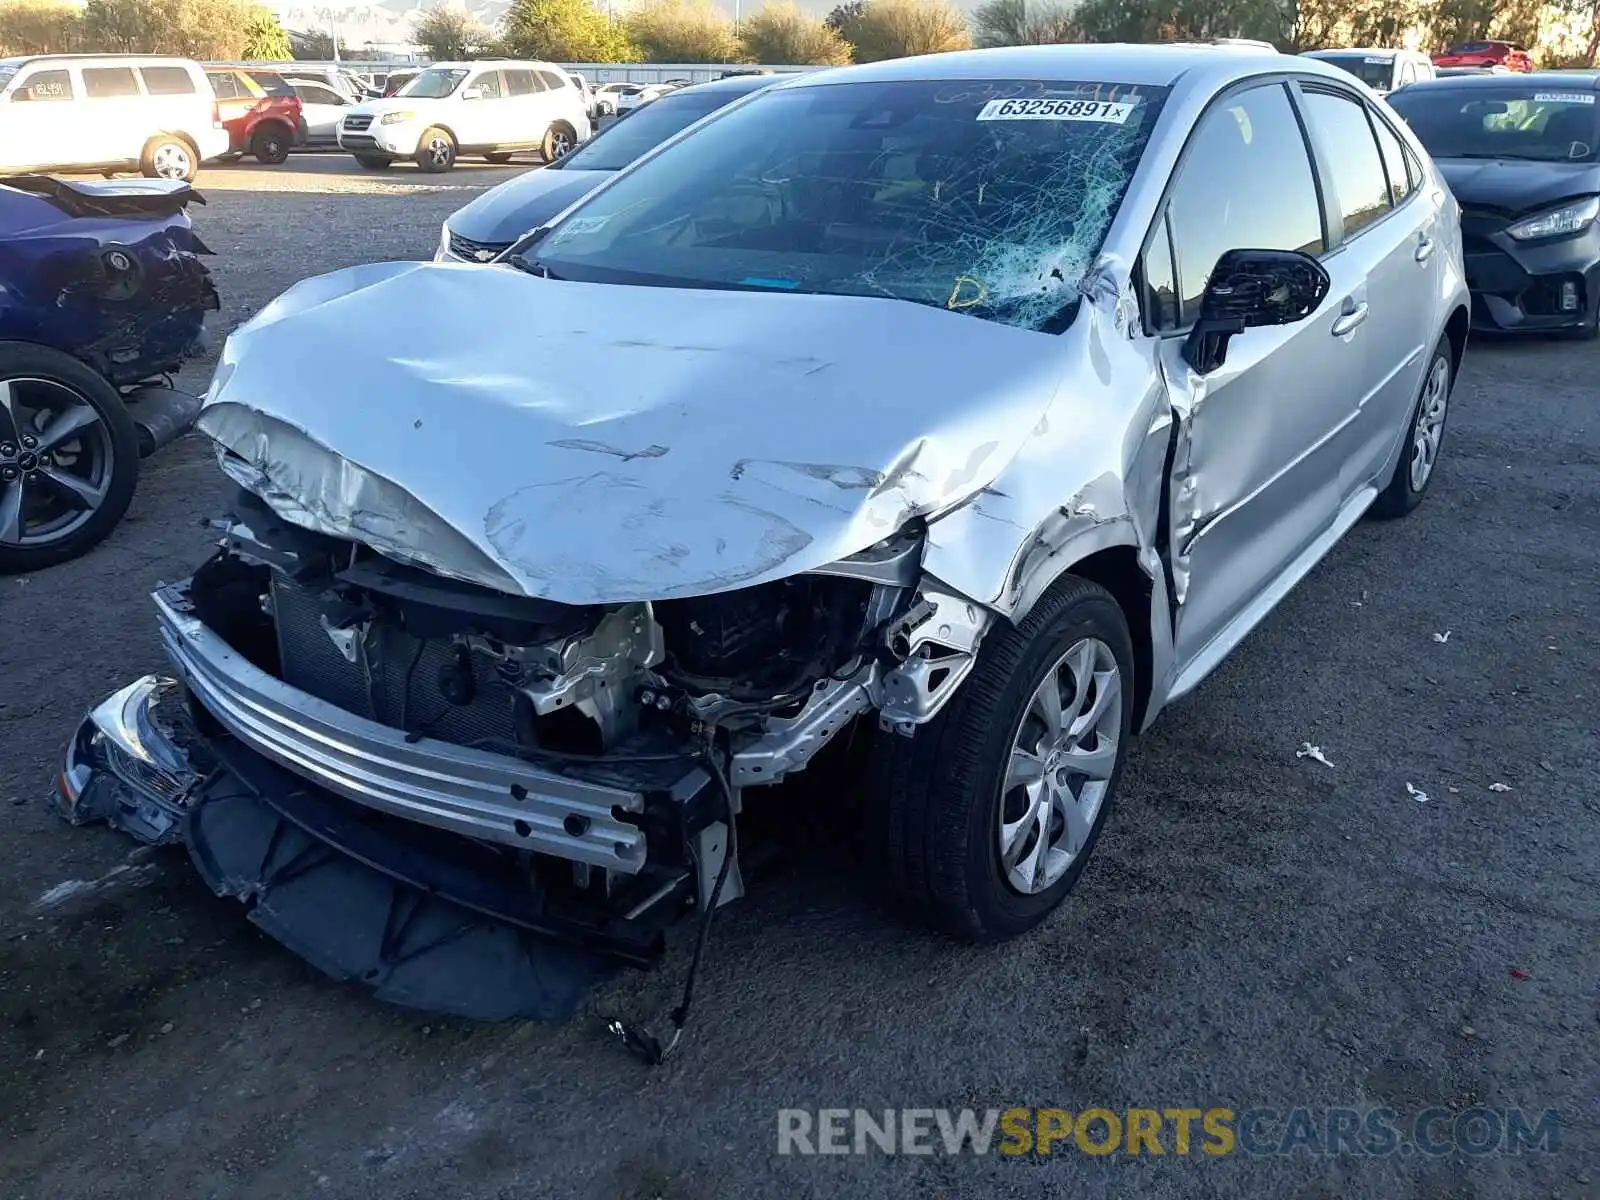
[1117, 569]
[1456, 330]
[454, 136]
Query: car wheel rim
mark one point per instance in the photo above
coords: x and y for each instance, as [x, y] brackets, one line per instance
[1059, 771]
[55, 461]
[560, 144]
[439, 152]
[1429, 430]
[171, 162]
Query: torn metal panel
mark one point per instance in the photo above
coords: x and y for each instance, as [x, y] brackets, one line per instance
[1094, 471]
[601, 444]
[109, 272]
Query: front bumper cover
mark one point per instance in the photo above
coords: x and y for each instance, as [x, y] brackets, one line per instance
[432, 923]
[1516, 285]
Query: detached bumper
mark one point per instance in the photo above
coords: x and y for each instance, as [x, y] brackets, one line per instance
[1534, 287]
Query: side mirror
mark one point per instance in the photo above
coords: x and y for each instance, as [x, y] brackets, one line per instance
[1250, 288]
[472, 93]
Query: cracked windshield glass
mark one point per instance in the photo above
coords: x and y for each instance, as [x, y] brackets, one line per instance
[990, 198]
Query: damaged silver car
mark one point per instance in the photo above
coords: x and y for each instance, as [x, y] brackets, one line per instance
[981, 401]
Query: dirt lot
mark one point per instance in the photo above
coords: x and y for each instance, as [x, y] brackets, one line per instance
[1256, 930]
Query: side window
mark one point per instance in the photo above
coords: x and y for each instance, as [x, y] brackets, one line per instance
[315, 93]
[489, 85]
[225, 86]
[1342, 130]
[167, 81]
[1245, 183]
[552, 81]
[1394, 162]
[1161, 281]
[45, 85]
[105, 83]
[519, 83]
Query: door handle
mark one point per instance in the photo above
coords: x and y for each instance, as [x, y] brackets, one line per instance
[1424, 248]
[1348, 321]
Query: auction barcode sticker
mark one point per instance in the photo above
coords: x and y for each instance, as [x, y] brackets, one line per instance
[1106, 112]
[1564, 98]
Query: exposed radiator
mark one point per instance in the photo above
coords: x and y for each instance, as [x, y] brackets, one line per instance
[313, 663]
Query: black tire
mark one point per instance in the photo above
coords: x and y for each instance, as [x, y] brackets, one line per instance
[270, 143]
[937, 796]
[560, 140]
[232, 156]
[374, 162]
[121, 473]
[169, 156]
[499, 157]
[436, 151]
[1400, 495]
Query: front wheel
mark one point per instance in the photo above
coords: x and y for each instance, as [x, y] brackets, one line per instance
[991, 811]
[1424, 438]
[436, 151]
[69, 457]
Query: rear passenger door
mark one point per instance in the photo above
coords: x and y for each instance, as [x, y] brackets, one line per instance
[526, 94]
[1383, 260]
[116, 124]
[1264, 427]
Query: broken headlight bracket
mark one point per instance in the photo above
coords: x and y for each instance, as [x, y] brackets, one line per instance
[936, 645]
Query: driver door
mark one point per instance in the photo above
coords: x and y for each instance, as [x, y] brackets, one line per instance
[1259, 480]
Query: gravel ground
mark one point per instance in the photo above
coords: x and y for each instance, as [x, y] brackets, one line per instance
[1256, 930]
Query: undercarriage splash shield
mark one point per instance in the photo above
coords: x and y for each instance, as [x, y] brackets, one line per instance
[361, 924]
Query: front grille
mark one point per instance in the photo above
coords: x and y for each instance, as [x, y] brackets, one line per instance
[354, 124]
[468, 250]
[311, 662]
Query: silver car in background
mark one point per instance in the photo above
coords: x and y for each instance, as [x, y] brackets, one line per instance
[979, 404]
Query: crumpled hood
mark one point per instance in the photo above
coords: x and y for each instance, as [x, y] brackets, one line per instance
[603, 443]
[505, 213]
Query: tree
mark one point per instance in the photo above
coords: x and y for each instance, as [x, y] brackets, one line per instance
[900, 28]
[317, 47]
[565, 31]
[203, 29]
[39, 27]
[1022, 23]
[450, 33]
[782, 34]
[682, 31]
[264, 39]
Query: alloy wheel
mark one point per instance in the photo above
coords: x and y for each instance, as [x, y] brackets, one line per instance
[171, 161]
[1429, 428]
[55, 461]
[1062, 758]
[439, 152]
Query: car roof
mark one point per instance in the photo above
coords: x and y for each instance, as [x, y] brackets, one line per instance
[1571, 80]
[1328, 51]
[152, 59]
[1151, 65]
[734, 85]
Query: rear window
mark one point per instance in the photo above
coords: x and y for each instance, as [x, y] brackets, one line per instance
[1471, 48]
[224, 85]
[167, 81]
[552, 80]
[271, 83]
[1371, 69]
[46, 85]
[102, 83]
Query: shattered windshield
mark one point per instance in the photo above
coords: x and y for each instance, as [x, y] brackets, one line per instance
[988, 198]
[1540, 121]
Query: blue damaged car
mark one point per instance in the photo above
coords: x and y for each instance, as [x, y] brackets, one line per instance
[103, 295]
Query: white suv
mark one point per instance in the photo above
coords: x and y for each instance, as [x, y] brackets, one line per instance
[105, 111]
[493, 108]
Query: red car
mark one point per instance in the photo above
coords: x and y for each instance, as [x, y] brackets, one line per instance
[259, 109]
[1509, 55]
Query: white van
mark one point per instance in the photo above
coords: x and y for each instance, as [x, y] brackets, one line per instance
[1381, 70]
[493, 107]
[108, 112]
